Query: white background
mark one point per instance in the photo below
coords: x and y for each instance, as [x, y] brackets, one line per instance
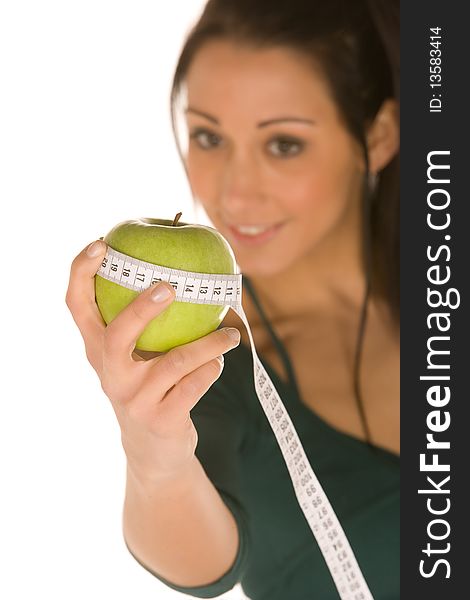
[85, 142]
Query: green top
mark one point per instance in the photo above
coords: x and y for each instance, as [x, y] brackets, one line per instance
[278, 557]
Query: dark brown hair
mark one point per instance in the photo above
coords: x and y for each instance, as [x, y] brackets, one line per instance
[356, 45]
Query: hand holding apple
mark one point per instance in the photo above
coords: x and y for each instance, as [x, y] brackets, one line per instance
[152, 399]
[177, 245]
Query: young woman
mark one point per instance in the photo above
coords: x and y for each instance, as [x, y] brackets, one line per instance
[293, 135]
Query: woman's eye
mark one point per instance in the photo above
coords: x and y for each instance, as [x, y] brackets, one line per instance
[285, 147]
[206, 139]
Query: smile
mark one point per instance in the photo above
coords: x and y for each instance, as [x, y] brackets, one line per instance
[253, 235]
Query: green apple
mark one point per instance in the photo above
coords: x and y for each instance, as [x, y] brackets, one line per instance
[196, 248]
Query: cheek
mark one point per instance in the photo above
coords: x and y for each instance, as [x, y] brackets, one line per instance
[201, 178]
[325, 183]
[320, 199]
[312, 190]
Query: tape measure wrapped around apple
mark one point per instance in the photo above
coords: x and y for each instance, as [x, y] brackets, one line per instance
[177, 245]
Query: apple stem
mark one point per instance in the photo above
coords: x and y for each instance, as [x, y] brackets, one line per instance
[177, 218]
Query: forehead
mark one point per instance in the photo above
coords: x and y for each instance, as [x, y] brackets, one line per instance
[228, 77]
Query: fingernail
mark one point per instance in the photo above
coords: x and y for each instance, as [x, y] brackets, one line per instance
[95, 249]
[233, 333]
[160, 293]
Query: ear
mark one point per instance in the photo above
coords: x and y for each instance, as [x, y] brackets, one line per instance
[383, 136]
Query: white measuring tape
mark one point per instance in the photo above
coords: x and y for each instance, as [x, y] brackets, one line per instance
[205, 288]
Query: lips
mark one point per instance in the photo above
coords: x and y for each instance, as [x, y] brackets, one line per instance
[256, 239]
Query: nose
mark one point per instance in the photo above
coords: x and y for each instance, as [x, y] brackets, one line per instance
[240, 185]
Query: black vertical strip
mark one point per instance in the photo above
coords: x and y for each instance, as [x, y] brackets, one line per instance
[423, 132]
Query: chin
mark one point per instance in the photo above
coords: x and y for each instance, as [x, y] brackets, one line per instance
[261, 269]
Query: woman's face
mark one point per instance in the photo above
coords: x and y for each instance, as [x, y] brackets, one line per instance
[269, 158]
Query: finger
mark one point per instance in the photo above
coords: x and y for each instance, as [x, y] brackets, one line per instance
[124, 330]
[182, 360]
[80, 298]
[173, 411]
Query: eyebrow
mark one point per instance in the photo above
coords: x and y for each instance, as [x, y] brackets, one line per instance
[203, 114]
[260, 124]
[284, 119]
